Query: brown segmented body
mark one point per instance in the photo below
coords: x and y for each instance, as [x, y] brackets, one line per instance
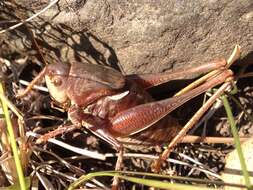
[89, 93]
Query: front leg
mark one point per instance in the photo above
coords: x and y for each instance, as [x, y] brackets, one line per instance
[58, 131]
[98, 127]
[80, 119]
[95, 124]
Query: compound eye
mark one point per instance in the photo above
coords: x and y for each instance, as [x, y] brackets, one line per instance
[57, 81]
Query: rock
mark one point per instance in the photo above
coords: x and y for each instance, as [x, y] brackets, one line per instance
[143, 36]
[232, 171]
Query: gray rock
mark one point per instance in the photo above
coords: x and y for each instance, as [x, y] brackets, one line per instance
[144, 36]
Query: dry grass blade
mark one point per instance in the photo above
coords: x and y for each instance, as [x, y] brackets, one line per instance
[30, 18]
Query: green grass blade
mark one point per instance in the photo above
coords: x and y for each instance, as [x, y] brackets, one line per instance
[13, 142]
[237, 142]
[148, 182]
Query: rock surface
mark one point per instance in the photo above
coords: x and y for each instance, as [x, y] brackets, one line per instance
[233, 172]
[143, 36]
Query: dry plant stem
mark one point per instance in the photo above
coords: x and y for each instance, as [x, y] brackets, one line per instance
[6, 159]
[41, 88]
[194, 163]
[30, 18]
[214, 140]
[246, 75]
[5, 145]
[118, 166]
[24, 150]
[189, 125]
[12, 107]
[84, 152]
[45, 117]
[37, 46]
[32, 83]
[207, 116]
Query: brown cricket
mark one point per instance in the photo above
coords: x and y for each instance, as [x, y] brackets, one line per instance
[114, 106]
